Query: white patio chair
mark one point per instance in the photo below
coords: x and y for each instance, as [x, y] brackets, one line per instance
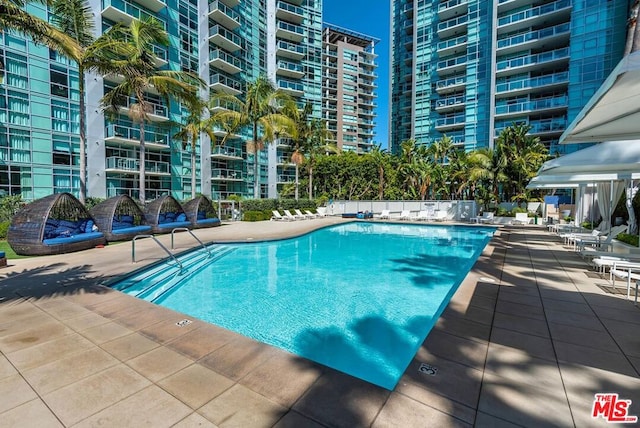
[625, 270]
[423, 215]
[321, 211]
[598, 243]
[302, 215]
[440, 215]
[290, 216]
[405, 215]
[310, 214]
[385, 214]
[521, 218]
[277, 216]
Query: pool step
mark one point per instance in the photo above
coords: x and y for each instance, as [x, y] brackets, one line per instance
[137, 284]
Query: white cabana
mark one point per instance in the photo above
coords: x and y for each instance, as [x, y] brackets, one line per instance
[613, 112]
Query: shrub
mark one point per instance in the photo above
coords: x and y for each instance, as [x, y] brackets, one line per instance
[9, 205]
[259, 204]
[516, 210]
[628, 239]
[254, 216]
[4, 228]
[287, 204]
[91, 202]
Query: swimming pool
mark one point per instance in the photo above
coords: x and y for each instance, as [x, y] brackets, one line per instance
[358, 297]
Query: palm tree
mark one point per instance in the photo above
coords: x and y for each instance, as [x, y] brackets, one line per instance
[488, 165]
[140, 75]
[380, 159]
[299, 132]
[190, 131]
[440, 148]
[260, 109]
[315, 145]
[14, 17]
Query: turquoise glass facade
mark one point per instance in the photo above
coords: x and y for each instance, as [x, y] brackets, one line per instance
[469, 68]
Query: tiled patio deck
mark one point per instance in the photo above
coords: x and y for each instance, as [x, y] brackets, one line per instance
[528, 339]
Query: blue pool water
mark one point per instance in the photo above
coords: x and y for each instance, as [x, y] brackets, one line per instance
[358, 297]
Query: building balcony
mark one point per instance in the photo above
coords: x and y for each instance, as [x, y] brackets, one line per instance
[218, 82]
[367, 73]
[155, 112]
[408, 10]
[450, 122]
[224, 38]
[221, 133]
[330, 52]
[451, 84]
[454, 46]
[225, 61]
[295, 89]
[544, 105]
[283, 143]
[128, 165]
[408, 27]
[225, 174]
[288, 31]
[406, 105]
[452, 27]
[450, 104]
[131, 137]
[365, 83]
[547, 14]
[451, 8]
[549, 60]
[223, 14]
[226, 153]
[286, 179]
[289, 12]
[290, 69]
[221, 105]
[289, 50]
[549, 82]
[161, 56]
[296, 2]
[452, 65]
[284, 160]
[231, 3]
[153, 5]
[124, 12]
[556, 36]
[546, 127]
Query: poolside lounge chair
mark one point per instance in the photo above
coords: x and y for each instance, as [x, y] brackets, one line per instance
[625, 270]
[303, 215]
[277, 216]
[310, 214]
[598, 243]
[120, 218]
[385, 214]
[440, 215]
[165, 214]
[486, 217]
[521, 218]
[55, 224]
[290, 216]
[200, 212]
[405, 215]
[321, 211]
[423, 215]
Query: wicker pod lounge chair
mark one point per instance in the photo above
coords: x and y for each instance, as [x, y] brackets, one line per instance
[165, 214]
[55, 224]
[120, 218]
[200, 212]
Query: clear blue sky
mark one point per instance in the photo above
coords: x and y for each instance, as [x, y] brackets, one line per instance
[370, 17]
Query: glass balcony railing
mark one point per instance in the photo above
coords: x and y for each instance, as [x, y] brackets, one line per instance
[534, 105]
[453, 81]
[450, 101]
[222, 55]
[226, 151]
[220, 30]
[297, 10]
[291, 28]
[451, 62]
[132, 9]
[128, 164]
[449, 4]
[291, 47]
[226, 81]
[287, 84]
[548, 125]
[533, 82]
[452, 42]
[153, 108]
[533, 59]
[218, 5]
[531, 13]
[225, 173]
[452, 22]
[290, 66]
[457, 119]
[534, 35]
[130, 133]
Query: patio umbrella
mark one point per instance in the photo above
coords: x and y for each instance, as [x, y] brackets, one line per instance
[613, 112]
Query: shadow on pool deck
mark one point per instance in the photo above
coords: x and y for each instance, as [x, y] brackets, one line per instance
[528, 339]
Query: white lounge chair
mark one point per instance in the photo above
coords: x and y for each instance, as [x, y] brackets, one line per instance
[385, 214]
[487, 217]
[423, 215]
[405, 215]
[625, 270]
[290, 216]
[277, 216]
[598, 243]
[440, 215]
[310, 214]
[521, 218]
[302, 215]
[321, 211]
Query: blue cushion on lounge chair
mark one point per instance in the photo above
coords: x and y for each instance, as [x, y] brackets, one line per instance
[69, 239]
[133, 229]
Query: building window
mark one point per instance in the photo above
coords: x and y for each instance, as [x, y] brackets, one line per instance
[59, 84]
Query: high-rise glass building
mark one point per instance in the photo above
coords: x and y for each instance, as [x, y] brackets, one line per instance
[227, 42]
[469, 68]
[349, 84]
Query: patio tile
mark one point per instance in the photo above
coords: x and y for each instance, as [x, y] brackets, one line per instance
[33, 336]
[434, 399]
[6, 368]
[626, 335]
[561, 295]
[105, 332]
[241, 407]
[536, 346]
[463, 327]
[239, 357]
[521, 325]
[34, 412]
[167, 330]
[402, 411]
[294, 419]
[146, 316]
[202, 341]
[470, 313]
[523, 403]
[151, 407]
[455, 381]
[531, 299]
[130, 346]
[44, 353]
[82, 399]
[580, 336]
[195, 385]
[572, 307]
[629, 316]
[484, 420]
[597, 358]
[64, 371]
[10, 325]
[518, 309]
[14, 392]
[590, 322]
[86, 321]
[468, 352]
[340, 400]
[195, 420]
[61, 308]
[283, 378]
[159, 363]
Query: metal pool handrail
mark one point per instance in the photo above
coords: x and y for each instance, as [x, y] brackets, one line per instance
[133, 248]
[185, 229]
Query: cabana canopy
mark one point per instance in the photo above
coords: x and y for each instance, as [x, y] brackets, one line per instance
[120, 218]
[165, 214]
[200, 212]
[613, 112]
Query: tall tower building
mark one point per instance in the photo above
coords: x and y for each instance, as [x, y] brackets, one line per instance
[469, 68]
[227, 42]
[349, 75]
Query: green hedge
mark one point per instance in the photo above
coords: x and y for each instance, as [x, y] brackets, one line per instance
[628, 239]
[4, 228]
[268, 205]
